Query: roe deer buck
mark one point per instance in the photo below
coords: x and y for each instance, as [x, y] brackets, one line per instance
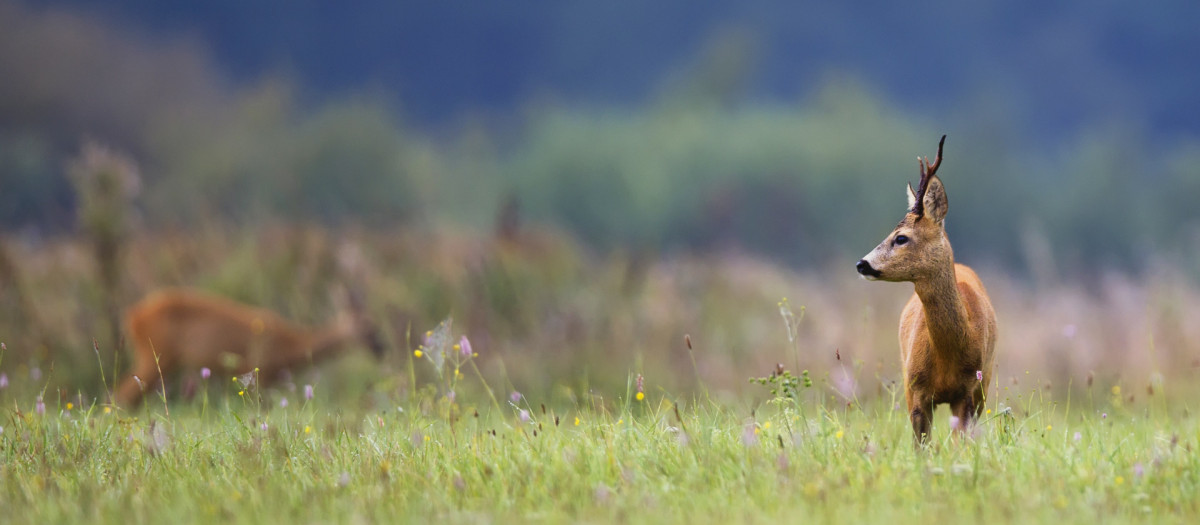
[948, 327]
[189, 329]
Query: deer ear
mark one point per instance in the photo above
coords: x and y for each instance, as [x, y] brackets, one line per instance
[912, 199]
[934, 202]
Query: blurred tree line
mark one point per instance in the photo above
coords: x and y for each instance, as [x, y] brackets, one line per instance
[700, 165]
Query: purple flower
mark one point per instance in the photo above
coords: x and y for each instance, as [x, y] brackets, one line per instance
[283, 403]
[40, 407]
[1139, 470]
[3, 380]
[979, 375]
[515, 397]
[1104, 415]
[465, 347]
[263, 426]
[524, 416]
[1078, 437]
[205, 373]
[308, 392]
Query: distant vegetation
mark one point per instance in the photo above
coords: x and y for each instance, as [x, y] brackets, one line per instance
[697, 168]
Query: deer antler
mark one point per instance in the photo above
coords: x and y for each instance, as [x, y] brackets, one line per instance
[927, 171]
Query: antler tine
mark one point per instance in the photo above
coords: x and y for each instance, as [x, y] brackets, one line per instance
[927, 170]
[937, 161]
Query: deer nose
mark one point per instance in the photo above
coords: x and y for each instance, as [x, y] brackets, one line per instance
[865, 268]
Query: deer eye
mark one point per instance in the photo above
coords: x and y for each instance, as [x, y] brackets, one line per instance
[900, 240]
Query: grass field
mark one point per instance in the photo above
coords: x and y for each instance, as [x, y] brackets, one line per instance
[242, 457]
[1091, 417]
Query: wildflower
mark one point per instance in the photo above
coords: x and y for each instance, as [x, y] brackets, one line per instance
[1116, 390]
[766, 425]
[241, 393]
[1049, 427]
[839, 434]
[107, 410]
[1119, 481]
[308, 392]
[70, 405]
[205, 373]
[524, 416]
[464, 345]
[40, 407]
[283, 403]
[989, 411]
[1104, 415]
[3, 380]
[418, 353]
[307, 429]
[263, 426]
[1078, 437]
[979, 375]
[35, 373]
[451, 396]
[640, 396]
[515, 396]
[576, 420]
[750, 435]
[1139, 470]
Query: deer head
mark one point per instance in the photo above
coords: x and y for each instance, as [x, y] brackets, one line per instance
[918, 246]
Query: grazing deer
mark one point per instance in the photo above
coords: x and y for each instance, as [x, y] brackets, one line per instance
[178, 329]
[948, 327]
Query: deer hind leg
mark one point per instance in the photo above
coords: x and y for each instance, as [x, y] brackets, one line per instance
[965, 412]
[144, 377]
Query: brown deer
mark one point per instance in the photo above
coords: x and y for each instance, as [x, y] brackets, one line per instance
[948, 327]
[178, 329]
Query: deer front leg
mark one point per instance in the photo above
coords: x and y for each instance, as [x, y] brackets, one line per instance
[920, 413]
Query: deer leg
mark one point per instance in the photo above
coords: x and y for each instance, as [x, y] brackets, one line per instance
[921, 417]
[144, 376]
[965, 412]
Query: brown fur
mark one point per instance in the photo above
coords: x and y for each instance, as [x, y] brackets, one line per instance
[948, 327]
[189, 330]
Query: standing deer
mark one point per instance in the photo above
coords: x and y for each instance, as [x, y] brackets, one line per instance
[948, 327]
[178, 329]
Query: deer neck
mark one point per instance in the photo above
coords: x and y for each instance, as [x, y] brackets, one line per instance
[327, 341]
[945, 313]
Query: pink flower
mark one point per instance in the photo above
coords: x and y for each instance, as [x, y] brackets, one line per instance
[283, 403]
[205, 373]
[263, 426]
[979, 375]
[515, 396]
[308, 392]
[524, 416]
[40, 407]
[3, 380]
[465, 347]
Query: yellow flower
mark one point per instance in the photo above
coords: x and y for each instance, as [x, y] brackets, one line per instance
[107, 410]
[426, 438]
[241, 393]
[307, 429]
[619, 421]
[1119, 481]
[70, 405]
[458, 347]
[839, 434]
[234, 379]
[1049, 427]
[989, 411]
[418, 353]
[457, 373]
[1116, 390]
[576, 420]
[641, 396]
[766, 425]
